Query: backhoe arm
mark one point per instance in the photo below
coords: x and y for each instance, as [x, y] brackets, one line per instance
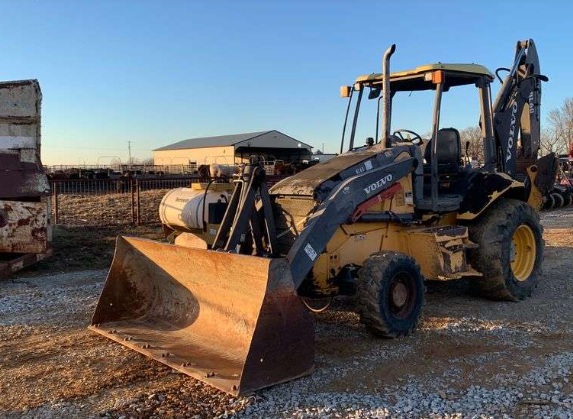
[516, 112]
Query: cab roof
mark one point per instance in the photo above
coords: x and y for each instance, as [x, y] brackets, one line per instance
[420, 78]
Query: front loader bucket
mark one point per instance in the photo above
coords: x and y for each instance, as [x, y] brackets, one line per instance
[232, 321]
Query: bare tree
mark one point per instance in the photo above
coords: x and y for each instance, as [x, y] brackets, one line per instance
[475, 147]
[560, 127]
[550, 142]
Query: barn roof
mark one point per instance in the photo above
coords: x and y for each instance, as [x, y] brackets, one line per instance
[265, 139]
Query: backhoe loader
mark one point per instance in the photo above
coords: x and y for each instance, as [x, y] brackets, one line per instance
[224, 303]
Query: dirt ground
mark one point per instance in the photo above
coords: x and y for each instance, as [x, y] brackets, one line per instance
[52, 366]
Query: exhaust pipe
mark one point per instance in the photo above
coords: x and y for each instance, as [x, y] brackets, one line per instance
[387, 104]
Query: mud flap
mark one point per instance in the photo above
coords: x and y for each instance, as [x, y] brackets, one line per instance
[232, 321]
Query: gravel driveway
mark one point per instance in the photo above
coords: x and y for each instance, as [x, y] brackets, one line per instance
[470, 357]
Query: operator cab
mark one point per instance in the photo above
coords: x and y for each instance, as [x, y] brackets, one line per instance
[441, 180]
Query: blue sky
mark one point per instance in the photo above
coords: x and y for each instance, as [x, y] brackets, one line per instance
[156, 72]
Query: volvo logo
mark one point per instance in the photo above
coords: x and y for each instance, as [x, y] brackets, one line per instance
[511, 138]
[378, 184]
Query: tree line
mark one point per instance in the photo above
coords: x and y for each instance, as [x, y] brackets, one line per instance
[556, 136]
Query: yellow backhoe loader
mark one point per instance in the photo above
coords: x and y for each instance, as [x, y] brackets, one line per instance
[224, 303]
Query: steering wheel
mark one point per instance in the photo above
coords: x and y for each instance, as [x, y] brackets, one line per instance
[415, 139]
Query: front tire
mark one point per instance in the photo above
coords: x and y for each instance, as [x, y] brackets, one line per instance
[510, 252]
[390, 294]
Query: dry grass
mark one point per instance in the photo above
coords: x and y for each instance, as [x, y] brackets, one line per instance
[88, 226]
[108, 209]
[82, 248]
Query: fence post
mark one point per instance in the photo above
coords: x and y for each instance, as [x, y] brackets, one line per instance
[55, 201]
[132, 190]
[137, 185]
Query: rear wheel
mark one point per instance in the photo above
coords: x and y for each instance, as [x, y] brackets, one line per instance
[510, 251]
[567, 199]
[390, 294]
[558, 200]
[548, 202]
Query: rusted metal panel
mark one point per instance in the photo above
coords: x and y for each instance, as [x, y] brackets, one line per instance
[21, 168]
[16, 261]
[21, 180]
[20, 99]
[24, 226]
[25, 229]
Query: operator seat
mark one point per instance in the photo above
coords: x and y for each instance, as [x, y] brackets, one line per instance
[452, 178]
[449, 152]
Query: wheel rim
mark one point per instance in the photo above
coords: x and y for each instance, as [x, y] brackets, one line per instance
[402, 295]
[523, 252]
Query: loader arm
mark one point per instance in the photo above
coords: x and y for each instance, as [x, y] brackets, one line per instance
[336, 209]
[250, 198]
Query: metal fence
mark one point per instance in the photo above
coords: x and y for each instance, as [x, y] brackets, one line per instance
[105, 202]
[85, 171]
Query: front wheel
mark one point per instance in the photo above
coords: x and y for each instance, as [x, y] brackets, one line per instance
[510, 251]
[390, 294]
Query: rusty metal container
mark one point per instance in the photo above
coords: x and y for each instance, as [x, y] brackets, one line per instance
[25, 229]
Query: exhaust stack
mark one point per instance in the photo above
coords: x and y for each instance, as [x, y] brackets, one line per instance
[387, 105]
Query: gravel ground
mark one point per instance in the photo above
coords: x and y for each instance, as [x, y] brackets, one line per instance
[470, 358]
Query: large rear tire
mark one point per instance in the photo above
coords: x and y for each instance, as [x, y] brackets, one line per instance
[510, 252]
[390, 294]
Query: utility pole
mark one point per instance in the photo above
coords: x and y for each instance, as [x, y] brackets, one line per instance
[129, 152]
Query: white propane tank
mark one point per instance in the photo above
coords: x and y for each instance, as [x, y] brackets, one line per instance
[183, 209]
[219, 170]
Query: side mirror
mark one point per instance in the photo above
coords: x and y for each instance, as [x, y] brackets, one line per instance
[374, 92]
